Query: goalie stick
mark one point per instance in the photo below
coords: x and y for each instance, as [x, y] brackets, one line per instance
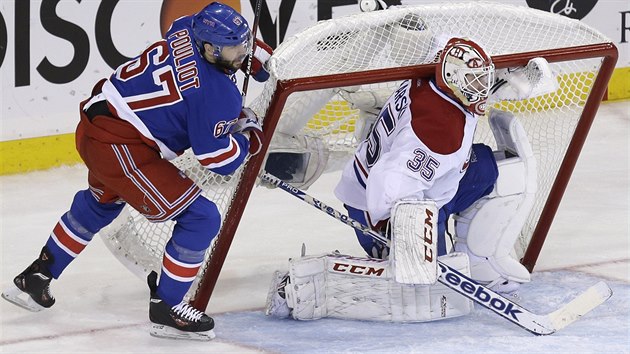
[538, 324]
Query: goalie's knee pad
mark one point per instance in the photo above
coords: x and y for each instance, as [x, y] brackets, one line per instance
[488, 229]
[346, 287]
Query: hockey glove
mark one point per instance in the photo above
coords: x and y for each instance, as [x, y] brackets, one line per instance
[248, 125]
[262, 53]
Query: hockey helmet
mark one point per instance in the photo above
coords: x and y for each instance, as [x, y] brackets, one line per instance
[226, 31]
[466, 72]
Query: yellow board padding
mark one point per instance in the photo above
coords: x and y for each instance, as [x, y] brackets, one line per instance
[26, 155]
[574, 89]
[619, 85]
[333, 113]
[37, 153]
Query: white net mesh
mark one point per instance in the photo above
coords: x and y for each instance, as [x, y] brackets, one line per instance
[400, 36]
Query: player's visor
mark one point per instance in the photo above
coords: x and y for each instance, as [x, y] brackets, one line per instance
[232, 57]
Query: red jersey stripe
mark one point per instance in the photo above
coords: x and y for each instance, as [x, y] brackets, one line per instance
[223, 158]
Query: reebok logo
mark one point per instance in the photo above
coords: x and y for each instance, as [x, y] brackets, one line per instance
[468, 287]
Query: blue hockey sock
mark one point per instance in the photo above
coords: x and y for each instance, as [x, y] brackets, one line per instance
[185, 251]
[65, 243]
[76, 228]
[179, 269]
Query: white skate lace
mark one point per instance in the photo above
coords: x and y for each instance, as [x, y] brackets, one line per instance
[185, 310]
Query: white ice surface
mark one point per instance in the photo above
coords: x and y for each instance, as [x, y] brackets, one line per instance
[102, 307]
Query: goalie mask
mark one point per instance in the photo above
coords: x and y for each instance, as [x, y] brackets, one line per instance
[226, 31]
[466, 72]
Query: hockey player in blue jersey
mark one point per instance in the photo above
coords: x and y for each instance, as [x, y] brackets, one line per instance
[178, 94]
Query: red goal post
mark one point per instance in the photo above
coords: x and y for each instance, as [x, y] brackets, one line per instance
[375, 51]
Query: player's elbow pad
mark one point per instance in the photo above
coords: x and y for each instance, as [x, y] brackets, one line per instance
[233, 165]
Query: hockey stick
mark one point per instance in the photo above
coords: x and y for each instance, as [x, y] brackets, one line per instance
[250, 59]
[537, 324]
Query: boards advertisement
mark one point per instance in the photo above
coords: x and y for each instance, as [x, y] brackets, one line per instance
[53, 51]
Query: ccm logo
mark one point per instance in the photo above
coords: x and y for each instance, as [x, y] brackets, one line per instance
[428, 236]
[474, 291]
[358, 269]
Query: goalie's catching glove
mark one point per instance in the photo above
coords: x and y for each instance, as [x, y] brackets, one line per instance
[249, 125]
[262, 53]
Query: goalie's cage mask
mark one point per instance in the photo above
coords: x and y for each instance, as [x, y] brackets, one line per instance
[466, 72]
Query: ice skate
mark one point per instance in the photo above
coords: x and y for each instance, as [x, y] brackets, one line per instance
[507, 288]
[31, 289]
[276, 305]
[181, 321]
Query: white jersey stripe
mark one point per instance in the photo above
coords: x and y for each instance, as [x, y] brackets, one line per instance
[124, 112]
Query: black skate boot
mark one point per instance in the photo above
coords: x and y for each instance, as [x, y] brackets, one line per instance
[181, 321]
[32, 286]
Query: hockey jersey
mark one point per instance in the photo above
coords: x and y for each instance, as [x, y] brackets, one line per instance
[178, 100]
[418, 148]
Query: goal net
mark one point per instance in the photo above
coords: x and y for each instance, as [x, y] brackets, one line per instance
[372, 53]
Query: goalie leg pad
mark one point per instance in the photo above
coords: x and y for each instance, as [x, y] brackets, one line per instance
[413, 251]
[297, 159]
[276, 304]
[346, 287]
[535, 79]
[488, 230]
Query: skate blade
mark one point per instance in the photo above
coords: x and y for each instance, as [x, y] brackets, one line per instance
[19, 298]
[162, 331]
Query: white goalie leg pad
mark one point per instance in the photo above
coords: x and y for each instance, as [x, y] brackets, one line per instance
[369, 103]
[303, 158]
[371, 100]
[364, 125]
[533, 80]
[413, 250]
[346, 287]
[301, 107]
[488, 229]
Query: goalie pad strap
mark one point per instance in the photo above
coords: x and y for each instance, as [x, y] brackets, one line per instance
[345, 287]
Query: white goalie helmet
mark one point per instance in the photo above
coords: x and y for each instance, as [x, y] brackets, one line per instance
[466, 72]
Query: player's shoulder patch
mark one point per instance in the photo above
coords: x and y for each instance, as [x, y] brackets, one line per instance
[436, 121]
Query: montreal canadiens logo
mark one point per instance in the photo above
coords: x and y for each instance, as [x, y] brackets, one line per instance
[577, 9]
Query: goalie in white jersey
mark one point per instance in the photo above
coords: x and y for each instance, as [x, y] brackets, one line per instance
[420, 153]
